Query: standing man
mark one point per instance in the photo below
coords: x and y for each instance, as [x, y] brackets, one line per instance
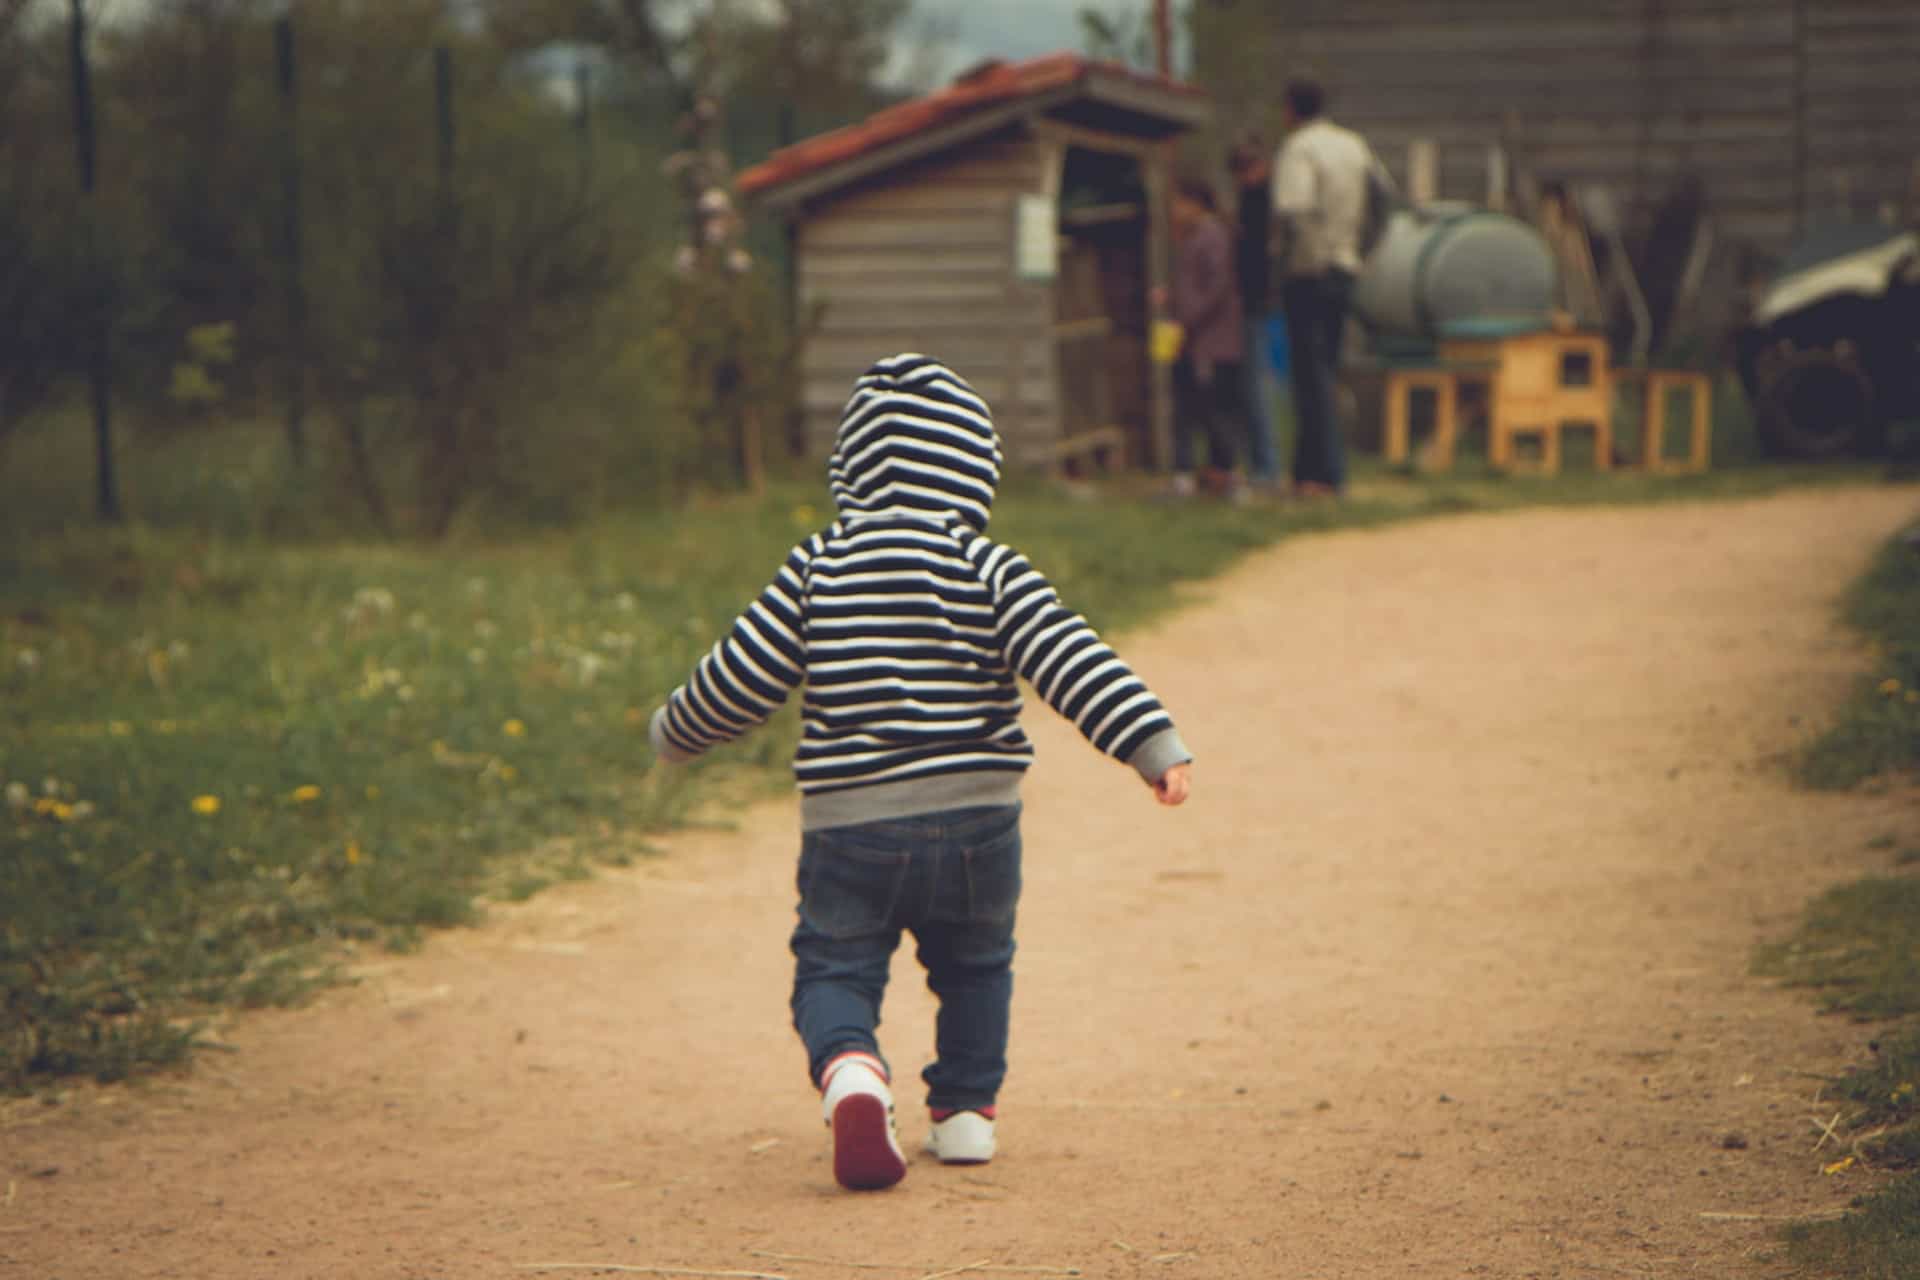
[1253, 259]
[1320, 198]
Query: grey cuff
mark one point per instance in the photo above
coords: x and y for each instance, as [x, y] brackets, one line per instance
[662, 747]
[1160, 753]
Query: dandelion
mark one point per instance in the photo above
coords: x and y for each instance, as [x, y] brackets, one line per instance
[1890, 686]
[369, 603]
[514, 729]
[508, 773]
[354, 854]
[18, 795]
[306, 794]
[206, 806]
[58, 810]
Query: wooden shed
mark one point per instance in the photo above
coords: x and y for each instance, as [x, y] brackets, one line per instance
[1011, 225]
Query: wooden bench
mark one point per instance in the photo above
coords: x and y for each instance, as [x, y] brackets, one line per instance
[1101, 446]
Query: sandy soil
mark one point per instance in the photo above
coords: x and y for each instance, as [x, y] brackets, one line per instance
[1442, 973]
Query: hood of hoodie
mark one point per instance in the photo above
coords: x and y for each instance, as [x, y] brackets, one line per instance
[915, 439]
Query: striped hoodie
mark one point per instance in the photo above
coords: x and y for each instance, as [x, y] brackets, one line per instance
[905, 626]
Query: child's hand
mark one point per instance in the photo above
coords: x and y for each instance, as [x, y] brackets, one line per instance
[1174, 785]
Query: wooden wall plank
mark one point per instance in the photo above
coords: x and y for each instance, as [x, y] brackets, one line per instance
[1632, 93]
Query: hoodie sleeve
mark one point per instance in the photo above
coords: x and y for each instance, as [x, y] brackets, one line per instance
[746, 676]
[1073, 669]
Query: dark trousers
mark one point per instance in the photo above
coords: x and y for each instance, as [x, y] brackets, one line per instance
[1215, 407]
[1316, 308]
[953, 880]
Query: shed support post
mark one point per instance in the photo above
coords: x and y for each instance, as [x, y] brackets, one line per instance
[1158, 169]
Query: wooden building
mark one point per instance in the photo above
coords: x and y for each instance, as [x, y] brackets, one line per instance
[1011, 225]
[1787, 111]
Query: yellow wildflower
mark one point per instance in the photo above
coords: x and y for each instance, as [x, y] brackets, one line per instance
[1890, 686]
[508, 773]
[514, 729]
[804, 515]
[306, 794]
[354, 856]
[52, 807]
[1913, 695]
[373, 793]
[1838, 1166]
[206, 806]
[119, 728]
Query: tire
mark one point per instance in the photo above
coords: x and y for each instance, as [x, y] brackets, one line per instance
[1817, 403]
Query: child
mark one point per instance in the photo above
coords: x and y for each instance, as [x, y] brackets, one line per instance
[907, 627]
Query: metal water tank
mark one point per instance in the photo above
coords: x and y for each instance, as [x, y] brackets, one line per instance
[1443, 263]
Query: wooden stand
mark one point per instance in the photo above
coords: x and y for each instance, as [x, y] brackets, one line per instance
[1653, 419]
[1544, 383]
[1541, 384]
[1398, 391]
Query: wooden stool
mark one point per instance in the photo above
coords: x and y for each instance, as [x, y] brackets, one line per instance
[1398, 392]
[1699, 389]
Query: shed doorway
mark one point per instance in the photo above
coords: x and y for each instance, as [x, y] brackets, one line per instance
[1101, 310]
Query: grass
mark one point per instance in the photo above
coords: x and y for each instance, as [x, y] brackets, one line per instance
[230, 761]
[1879, 728]
[1858, 945]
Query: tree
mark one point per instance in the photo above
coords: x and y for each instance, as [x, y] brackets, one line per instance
[1122, 34]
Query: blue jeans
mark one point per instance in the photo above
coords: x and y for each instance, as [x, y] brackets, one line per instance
[1316, 308]
[1263, 458]
[953, 880]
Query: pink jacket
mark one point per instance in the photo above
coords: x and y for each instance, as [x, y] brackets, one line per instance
[1206, 301]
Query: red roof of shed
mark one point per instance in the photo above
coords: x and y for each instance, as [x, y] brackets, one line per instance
[991, 84]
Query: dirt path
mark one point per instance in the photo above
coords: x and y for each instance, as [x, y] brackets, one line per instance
[1441, 974]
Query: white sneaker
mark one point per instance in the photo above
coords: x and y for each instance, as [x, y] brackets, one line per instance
[858, 1108]
[965, 1137]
